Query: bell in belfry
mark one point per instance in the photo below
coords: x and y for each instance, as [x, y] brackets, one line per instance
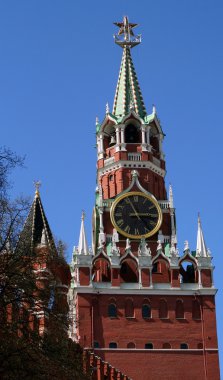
[112, 141]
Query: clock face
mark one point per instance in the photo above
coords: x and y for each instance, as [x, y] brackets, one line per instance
[136, 215]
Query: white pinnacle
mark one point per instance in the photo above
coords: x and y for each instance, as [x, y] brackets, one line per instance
[43, 237]
[82, 245]
[201, 250]
[171, 196]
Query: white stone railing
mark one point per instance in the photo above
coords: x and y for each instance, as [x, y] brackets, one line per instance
[134, 156]
[156, 161]
[164, 204]
[109, 160]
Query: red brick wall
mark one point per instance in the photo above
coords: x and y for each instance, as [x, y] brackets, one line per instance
[158, 331]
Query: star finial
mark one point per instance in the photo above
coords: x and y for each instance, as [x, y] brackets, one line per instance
[37, 185]
[129, 38]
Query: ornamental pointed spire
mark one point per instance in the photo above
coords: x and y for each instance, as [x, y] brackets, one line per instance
[36, 229]
[201, 250]
[128, 95]
[82, 245]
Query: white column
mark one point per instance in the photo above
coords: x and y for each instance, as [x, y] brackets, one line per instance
[90, 282]
[148, 138]
[199, 278]
[144, 145]
[117, 135]
[143, 134]
[100, 147]
[140, 278]
[122, 135]
[151, 278]
[101, 144]
[122, 138]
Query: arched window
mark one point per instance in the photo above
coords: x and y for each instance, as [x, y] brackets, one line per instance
[131, 345]
[146, 311]
[132, 134]
[196, 310]
[129, 308]
[179, 309]
[166, 345]
[129, 271]
[149, 346]
[187, 272]
[112, 310]
[184, 346]
[113, 345]
[163, 309]
[96, 344]
[101, 271]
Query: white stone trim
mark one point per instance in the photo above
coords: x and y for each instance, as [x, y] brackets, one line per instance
[131, 165]
[155, 349]
[145, 291]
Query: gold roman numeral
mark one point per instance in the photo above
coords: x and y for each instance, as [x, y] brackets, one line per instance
[137, 231]
[152, 223]
[120, 222]
[127, 229]
[136, 198]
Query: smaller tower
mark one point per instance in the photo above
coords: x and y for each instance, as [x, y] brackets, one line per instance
[51, 272]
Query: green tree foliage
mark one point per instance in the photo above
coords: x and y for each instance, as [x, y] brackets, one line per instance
[24, 354]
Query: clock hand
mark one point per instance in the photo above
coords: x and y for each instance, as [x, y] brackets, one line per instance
[136, 214]
[144, 214]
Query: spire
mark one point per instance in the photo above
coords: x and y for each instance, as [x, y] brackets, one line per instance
[201, 250]
[36, 229]
[82, 245]
[128, 95]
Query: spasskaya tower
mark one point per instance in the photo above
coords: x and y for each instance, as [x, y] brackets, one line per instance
[134, 300]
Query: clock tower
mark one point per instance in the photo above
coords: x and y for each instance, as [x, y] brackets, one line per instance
[134, 300]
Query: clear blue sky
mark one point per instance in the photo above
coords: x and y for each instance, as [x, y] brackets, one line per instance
[59, 67]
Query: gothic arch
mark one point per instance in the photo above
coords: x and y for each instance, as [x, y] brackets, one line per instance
[101, 270]
[188, 271]
[132, 134]
[129, 271]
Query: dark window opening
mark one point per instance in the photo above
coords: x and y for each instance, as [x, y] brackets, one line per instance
[200, 346]
[188, 273]
[146, 311]
[184, 346]
[112, 310]
[149, 346]
[96, 344]
[113, 345]
[132, 134]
